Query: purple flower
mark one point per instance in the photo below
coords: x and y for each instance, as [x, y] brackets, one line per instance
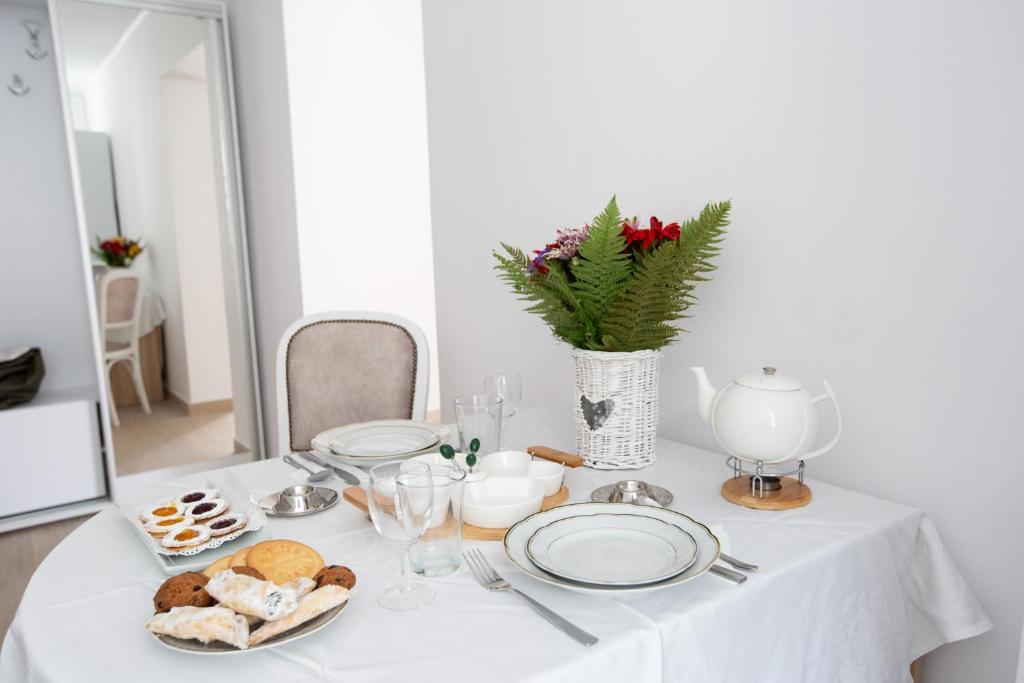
[537, 265]
[568, 241]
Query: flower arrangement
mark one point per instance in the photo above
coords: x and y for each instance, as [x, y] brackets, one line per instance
[614, 284]
[117, 251]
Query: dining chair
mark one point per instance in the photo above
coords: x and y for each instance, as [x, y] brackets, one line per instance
[342, 367]
[120, 304]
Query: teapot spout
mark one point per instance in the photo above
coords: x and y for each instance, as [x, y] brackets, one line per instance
[705, 393]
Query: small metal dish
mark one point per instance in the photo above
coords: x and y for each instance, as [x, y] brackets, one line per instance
[299, 500]
[631, 491]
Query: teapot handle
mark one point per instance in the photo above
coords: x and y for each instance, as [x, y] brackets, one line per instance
[829, 394]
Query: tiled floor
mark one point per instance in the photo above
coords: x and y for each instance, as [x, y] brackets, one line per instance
[168, 437]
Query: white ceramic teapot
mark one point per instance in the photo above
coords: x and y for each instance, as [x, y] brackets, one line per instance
[765, 416]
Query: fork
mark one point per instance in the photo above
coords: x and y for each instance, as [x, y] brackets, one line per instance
[489, 579]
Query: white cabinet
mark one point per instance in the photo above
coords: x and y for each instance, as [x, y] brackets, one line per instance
[50, 453]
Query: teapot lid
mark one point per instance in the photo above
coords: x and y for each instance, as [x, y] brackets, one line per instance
[768, 380]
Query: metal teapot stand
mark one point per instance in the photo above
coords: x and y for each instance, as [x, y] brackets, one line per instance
[766, 487]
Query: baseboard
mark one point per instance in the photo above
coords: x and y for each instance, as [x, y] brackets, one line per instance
[199, 409]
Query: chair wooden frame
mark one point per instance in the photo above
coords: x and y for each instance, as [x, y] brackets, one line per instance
[420, 382]
[129, 354]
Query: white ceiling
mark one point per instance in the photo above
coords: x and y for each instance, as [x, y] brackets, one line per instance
[90, 32]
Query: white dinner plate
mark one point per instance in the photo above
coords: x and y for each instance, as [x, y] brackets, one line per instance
[612, 550]
[321, 444]
[383, 440]
[519, 535]
[194, 647]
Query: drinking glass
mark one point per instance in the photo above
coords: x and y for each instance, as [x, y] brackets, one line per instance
[479, 417]
[439, 552]
[401, 498]
[508, 386]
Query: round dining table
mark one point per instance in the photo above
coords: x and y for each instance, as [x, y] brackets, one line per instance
[850, 588]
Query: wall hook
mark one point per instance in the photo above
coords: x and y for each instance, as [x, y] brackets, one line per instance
[17, 86]
[35, 50]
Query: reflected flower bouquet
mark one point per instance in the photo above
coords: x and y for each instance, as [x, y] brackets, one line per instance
[117, 251]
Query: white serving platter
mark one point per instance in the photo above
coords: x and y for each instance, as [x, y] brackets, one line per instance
[708, 547]
[239, 500]
[612, 550]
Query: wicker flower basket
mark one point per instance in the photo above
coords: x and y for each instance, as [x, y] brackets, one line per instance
[616, 408]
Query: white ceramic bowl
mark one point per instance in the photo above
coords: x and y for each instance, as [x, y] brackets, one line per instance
[548, 473]
[500, 502]
[506, 464]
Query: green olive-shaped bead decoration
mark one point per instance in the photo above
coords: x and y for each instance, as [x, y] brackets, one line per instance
[471, 460]
[474, 445]
[447, 452]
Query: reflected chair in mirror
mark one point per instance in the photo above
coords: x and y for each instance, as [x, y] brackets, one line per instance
[120, 306]
[343, 367]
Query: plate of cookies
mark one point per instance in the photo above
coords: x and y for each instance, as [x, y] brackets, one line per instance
[196, 519]
[259, 597]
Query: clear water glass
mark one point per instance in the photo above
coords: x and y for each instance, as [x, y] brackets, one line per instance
[508, 386]
[439, 552]
[479, 417]
[400, 496]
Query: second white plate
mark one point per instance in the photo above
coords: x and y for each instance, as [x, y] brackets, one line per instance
[612, 550]
[383, 439]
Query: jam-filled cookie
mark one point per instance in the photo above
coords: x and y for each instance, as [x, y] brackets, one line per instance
[207, 509]
[171, 508]
[183, 590]
[165, 525]
[335, 575]
[186, 537]
[226, 523]
[197, 496]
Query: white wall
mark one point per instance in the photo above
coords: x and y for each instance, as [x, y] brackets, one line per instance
[261, 89]
[874, 155]
[196, 195]
[42, 290]
[358, 115]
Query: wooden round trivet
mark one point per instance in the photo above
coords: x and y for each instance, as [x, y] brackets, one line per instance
[792, 495]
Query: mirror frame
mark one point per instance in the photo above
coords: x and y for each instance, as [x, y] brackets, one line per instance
[231, 162]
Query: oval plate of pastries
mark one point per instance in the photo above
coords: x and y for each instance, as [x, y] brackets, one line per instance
[261, 596]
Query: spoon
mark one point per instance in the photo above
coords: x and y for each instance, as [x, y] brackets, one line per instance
[313, 476]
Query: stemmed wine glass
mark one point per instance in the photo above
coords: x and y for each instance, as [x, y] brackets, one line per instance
[508, 386]
[400, 498]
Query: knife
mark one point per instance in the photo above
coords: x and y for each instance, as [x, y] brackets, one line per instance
[317, 460]
[727, 574]
[739, 564]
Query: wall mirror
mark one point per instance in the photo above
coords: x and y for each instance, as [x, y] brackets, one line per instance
[153, 142]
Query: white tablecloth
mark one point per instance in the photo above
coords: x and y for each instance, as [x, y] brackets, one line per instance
[851, 588]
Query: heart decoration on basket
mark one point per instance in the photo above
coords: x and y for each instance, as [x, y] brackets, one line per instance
[596, 413]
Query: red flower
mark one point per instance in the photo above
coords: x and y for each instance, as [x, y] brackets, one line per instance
[642, 238]
[669, 232]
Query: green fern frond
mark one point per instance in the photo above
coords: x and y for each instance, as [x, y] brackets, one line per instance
[608, 299]
[601, 268]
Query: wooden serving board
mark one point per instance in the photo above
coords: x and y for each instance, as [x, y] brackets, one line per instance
[555, 455]
[356, 495]
[792, 495]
